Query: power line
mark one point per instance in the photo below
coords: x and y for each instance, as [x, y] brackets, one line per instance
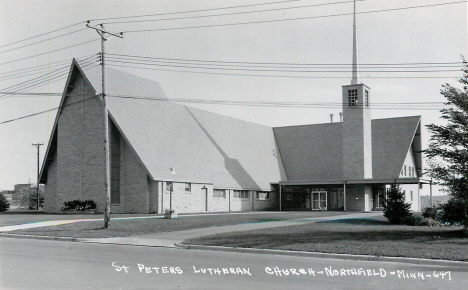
[236, 103]
[229, 14]
[273, 76]
[413, 105]
[281, 65]
[31, 94]
[44, 66]
[81, 22]
[290, 19]
[45, 111]
[26, 45]
[48, 52]
[199, 10]
[48, 74]
[48, 81]
[275, 70]
[29, 72]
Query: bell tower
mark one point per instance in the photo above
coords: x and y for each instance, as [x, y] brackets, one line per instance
[357, 131]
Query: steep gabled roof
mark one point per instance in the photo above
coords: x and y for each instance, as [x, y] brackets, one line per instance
[315, 152]
[391, 140]
[311, 152]
[209, 148]
[201, 146]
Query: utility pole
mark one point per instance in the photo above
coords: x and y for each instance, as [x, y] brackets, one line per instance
[430, 193]
[107, 184]
[37, 188]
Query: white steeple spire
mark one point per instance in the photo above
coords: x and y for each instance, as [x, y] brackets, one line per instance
[355, 78]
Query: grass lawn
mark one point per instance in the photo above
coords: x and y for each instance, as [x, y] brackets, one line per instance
[139, 226]
[352, 236]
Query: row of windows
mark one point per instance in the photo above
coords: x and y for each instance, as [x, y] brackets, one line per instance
[170, 187]
[241, 194]
[221, 193]
[411, 172]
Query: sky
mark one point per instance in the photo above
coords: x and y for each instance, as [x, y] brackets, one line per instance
[283, 52]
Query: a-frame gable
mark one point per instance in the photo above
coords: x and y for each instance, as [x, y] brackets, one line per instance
[391, 140]
[74, 72]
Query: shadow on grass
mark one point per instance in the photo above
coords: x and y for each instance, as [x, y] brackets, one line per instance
[337, 232]
[370, 222]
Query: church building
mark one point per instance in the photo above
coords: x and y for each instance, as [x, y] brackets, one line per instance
[165, 155]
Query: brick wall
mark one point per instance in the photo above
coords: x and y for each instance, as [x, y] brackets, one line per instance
[268, 204]
[187, 202]
[50, 189]
[134, 186]
[220, 203]
[199, 200]
[154, 196]
[78, 170]
[79, 163]
[357, 136]
[355, 200]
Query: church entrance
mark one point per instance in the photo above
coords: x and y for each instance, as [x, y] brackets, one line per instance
[319, 200]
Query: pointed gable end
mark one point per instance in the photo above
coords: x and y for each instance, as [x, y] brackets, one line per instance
[392, 139]
[75, 72]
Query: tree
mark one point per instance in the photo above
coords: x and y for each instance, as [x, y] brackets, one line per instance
[448, 148]
[4, 204]
[27, 198]
[396, 210]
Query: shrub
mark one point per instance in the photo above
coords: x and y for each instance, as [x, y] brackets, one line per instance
[431, 212]
[453, 212]
[4, 204]
[78, 205]
[415, 221]
[395, 207]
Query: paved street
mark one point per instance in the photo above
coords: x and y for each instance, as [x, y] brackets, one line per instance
[45, 264]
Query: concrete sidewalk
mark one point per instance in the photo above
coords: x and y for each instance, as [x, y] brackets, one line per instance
[169, 239]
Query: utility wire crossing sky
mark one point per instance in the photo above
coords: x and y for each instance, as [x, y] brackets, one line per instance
[276, 63]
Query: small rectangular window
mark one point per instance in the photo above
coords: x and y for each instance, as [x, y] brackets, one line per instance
[411, 195]
[352, 98]
[168, 186]
[188, 188]
[219, 193]
[404, 168]
[263, 195]
[241, 194]
[367, 98]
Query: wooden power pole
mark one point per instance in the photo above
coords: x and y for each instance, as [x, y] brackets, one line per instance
[103, 35]
[37, 189]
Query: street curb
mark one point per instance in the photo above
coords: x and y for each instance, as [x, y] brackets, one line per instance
[50, 238]
[326, 255]
[417, 261]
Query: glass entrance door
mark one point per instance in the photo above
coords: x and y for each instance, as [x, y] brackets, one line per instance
[319, 200]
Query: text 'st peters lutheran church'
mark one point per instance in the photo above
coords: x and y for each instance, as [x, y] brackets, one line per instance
[166, 155]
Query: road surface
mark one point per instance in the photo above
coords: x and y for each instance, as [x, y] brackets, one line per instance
[48, 264]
